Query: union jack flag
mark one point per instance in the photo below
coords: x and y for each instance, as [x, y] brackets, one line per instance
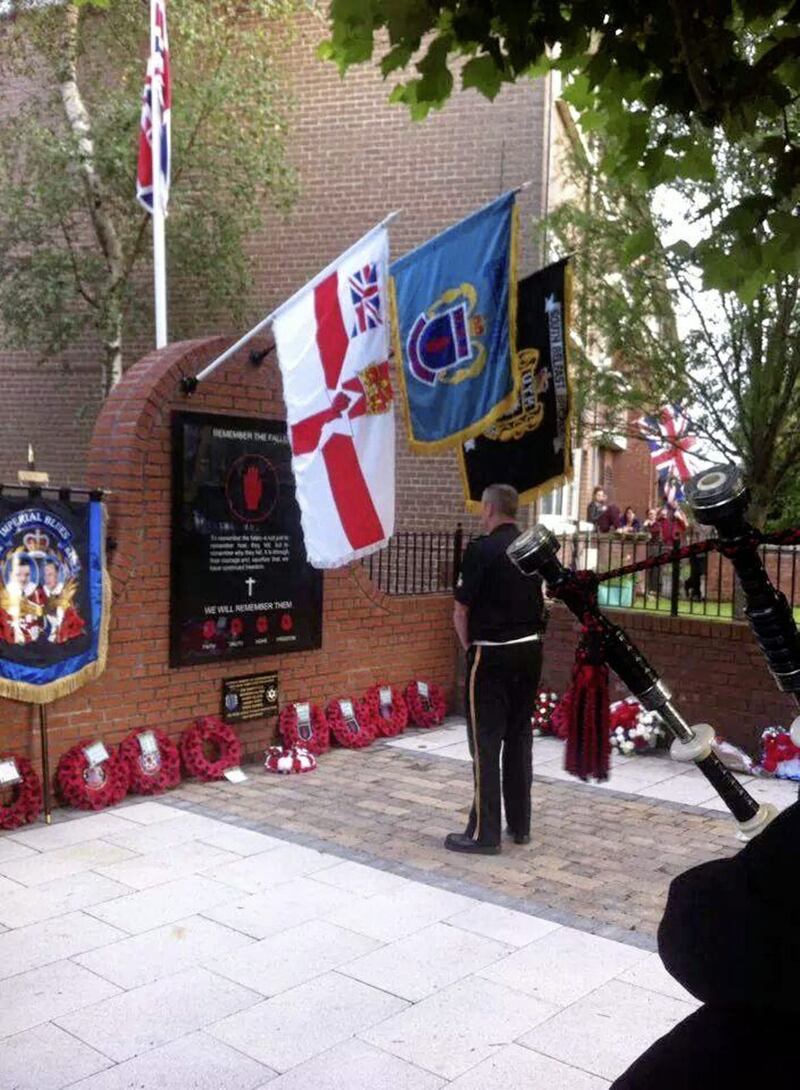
[365, 296]
[158, 80]
[670, 444]
[671, 490]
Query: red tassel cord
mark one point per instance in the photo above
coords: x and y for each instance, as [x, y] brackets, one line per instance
[588, 750]
[588, 730]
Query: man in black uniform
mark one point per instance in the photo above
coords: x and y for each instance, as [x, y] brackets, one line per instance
[499, 618]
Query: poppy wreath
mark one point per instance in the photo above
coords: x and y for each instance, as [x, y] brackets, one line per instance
[342, 729]
[314, 736]
[209, 733]
[289, 760]
[389, 719]
[546, 704]
[26, 797]
[421, 713]
[91, 787]
[632, 728]
[151, 774]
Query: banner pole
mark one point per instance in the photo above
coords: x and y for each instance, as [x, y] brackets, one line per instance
[190, 383]
[48, 817]
[159, 254]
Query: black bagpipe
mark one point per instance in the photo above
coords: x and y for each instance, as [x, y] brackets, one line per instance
[719, 499]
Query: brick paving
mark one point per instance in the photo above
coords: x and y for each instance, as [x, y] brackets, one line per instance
[598, 859]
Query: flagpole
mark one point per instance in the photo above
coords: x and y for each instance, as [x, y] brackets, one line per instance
[189, 383]
[159, 251]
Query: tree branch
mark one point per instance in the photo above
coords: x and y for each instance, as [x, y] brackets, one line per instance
[80, 126]
[90, 299]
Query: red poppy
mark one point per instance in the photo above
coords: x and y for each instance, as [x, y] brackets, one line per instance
[287, 624]
[546, 704]
[355, 731]
[262, 624]
[152, 773]
[91, 787]
[425, 711]
[390, 718]
[313, 734]
[286, 761]
[209, 733]
[237, 627]
[209, 628]
[26, 798]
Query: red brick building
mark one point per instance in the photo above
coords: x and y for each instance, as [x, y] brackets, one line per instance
[436, 172]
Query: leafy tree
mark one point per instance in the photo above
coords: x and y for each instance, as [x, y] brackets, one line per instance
[737, 363]
[74, 244]
[652, 81]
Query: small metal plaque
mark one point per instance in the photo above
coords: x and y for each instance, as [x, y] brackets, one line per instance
[249, 697]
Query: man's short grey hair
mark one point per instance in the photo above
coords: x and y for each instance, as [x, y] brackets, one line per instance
[503, 498]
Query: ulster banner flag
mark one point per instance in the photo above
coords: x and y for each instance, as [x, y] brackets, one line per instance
[529, 448]
[55, 596]
[333, 351]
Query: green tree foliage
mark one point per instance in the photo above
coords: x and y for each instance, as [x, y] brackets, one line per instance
[74, 244]
[651, 81]
[735, 364]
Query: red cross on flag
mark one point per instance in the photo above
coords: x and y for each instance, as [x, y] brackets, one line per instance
[333, 350]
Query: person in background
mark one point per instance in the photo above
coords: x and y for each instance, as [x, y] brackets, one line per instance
[597, 505]
[650, 525]
[609, 520]
[671, 522]
[650, 520]
[630, 523]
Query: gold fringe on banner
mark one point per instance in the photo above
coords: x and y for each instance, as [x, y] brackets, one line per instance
[454, 439]
[54, 690]
[474, 507]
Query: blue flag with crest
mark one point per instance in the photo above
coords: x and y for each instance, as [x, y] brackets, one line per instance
[455, 328]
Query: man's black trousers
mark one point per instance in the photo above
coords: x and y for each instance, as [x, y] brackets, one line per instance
[501, 694]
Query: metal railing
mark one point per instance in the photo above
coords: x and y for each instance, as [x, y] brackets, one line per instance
[428, 562]
[703, 586]
[418, 562]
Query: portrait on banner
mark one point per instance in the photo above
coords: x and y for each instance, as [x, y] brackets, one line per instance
[53, 596]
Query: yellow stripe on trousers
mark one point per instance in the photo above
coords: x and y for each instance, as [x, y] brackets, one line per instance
[476, 759]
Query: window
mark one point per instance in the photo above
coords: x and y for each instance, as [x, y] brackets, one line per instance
[563, 502]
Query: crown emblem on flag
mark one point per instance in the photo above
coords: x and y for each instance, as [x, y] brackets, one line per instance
[36, 542]
[377, 388]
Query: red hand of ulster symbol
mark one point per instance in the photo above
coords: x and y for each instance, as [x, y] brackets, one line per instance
[252, 488]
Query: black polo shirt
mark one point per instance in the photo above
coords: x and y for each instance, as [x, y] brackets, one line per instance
[504, 604]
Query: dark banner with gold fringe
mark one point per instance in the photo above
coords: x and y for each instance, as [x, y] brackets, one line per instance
[529, 448]
[55, 596]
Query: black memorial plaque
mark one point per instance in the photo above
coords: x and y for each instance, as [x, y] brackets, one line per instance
[250, 697]
[240, 582]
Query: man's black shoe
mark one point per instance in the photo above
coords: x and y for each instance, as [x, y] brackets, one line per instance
[519, 838]
[460, 842]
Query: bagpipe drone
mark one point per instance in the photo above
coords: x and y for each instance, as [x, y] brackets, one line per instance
[719, 499]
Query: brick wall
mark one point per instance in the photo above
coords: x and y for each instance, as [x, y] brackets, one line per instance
[632, 478]
[714, 671]
[357, 157]
[367, 637]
